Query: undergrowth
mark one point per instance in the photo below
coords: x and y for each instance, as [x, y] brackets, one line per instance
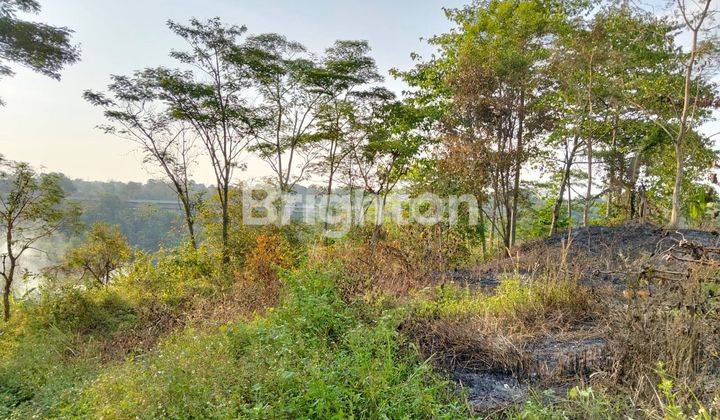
[312, 356]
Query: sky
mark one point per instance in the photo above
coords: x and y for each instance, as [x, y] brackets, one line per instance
[49, 125]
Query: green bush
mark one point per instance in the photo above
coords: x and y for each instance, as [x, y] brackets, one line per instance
[58, 342]
[40, 369]
[311, 357]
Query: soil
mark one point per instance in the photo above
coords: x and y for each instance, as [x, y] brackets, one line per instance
[604, 256]
[611, 258]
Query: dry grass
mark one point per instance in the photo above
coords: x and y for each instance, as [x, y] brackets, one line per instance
[255, 288]
[676, 324]
[466, 329]
[406, 259]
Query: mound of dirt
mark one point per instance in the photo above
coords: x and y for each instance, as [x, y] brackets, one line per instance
[603, 255]
[612, 258]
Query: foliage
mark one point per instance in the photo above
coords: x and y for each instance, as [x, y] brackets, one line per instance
[32, 208]
[103, 252]
[41, 47]
[135, 111]
[311, 357]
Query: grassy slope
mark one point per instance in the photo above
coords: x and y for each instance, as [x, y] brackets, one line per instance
[312, 356]
[163, 341]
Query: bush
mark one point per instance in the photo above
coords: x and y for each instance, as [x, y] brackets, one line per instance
[311, 357]
[39, 369]
[676, 323]
[63, 338]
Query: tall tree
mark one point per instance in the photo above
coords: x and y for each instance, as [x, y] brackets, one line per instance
[32, 208]
[43, 48]
[351, 73]
[394, 134]
[494, 64]
[214, 102]
[135, 113]
[693, 20]
[293, 86]
[651, 90]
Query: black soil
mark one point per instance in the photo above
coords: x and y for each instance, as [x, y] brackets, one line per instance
[612, 258]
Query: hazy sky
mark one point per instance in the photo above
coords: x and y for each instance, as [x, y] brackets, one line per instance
[48, 124]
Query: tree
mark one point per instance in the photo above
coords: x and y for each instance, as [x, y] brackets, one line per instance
[394, 134]
[43, 48]
[214, 102]
[103, 251]
[578, 57]
[652, 89]
[293, 87]
[168, 143]
[32, 208]
[693, 21]
[351, 72]
[493, 65]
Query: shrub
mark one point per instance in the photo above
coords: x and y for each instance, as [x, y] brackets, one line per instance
[39, 369]
[405, 259]
[676, 324]
[64, 337]
[311, 357]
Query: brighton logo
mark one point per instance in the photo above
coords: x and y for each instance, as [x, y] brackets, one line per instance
[339, 212]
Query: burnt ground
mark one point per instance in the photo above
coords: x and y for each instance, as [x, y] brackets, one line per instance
[601, 255]
[614, 259]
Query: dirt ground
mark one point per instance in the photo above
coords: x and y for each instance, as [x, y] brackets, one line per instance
[611, 259]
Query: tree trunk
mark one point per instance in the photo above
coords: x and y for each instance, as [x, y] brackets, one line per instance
[569, 200]
[564, 183]
[8, 273]
[611, 172]
[189, 221]
[589, 144]
[634, 174]
[518, 164]
[327, 201]
[558, 203]
[677, 189]
[483, 236]
[225, 226]
[6, 301]
[588, 192]
[7, 289]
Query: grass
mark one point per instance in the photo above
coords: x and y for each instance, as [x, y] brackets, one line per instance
[469, 329]
[313, 356]
[515, 296]
[330, 338]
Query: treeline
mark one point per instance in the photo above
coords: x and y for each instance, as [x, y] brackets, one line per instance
[542, 110]
[146, 213]
[549, 108]
[596, 103]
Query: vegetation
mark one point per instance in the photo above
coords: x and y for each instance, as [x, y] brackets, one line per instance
[103, 252]
[32, 208]
[576, 126]
[44, 48]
